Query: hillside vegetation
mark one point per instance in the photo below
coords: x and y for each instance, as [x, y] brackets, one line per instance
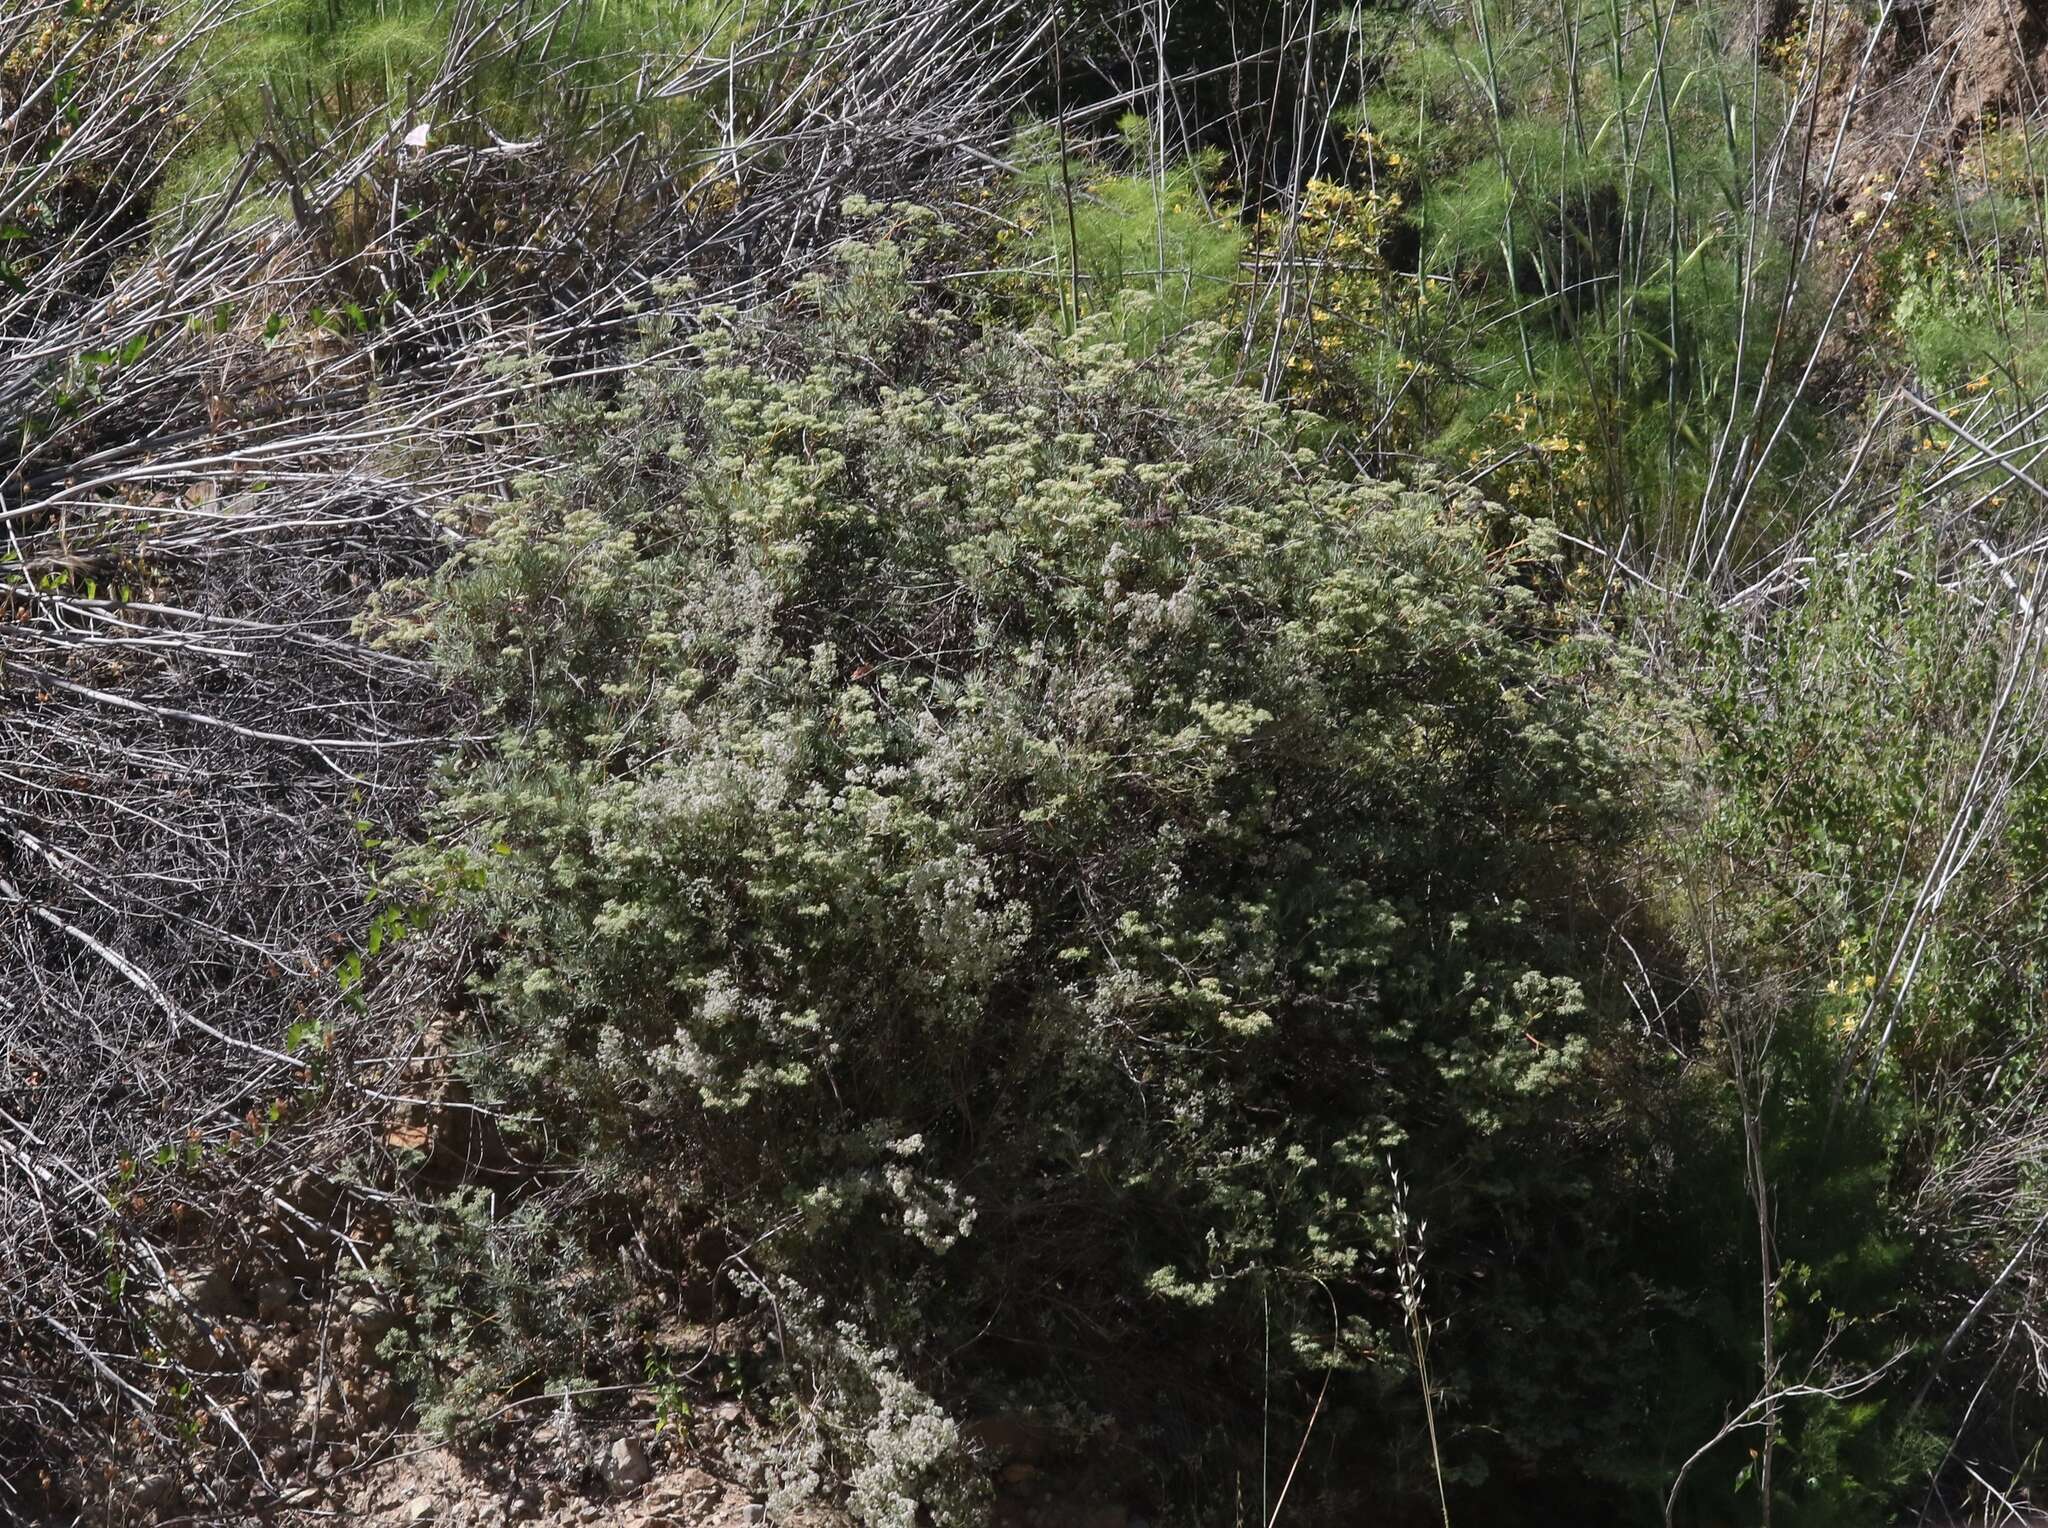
[920, 764]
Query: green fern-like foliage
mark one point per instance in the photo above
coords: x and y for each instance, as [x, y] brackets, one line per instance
[1532, 246]
[1153, 247]
[332, 75]
[1580, 179]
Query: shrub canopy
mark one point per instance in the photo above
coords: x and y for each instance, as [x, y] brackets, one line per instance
[1027, 843]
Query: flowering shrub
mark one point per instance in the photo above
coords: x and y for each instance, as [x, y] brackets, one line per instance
[1002, 825]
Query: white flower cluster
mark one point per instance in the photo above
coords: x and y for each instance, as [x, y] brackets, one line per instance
[932, 1210]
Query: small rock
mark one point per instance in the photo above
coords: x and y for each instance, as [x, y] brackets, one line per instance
[755, 1513]
[524, 1506]
[372, 1318]
[692, 1482]
[324, 1400]
[421, 1510]
[274, 1297]
[625, 1465]
[379, 1396]
[154, 1491]
[208, 1292]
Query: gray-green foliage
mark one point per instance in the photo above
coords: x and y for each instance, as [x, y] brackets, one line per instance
[498, 1300]
[866, 1428]
[1020, 838]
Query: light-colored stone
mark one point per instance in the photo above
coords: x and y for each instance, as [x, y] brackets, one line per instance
[420, 1511]
[625, 1465]
[690, 1484]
